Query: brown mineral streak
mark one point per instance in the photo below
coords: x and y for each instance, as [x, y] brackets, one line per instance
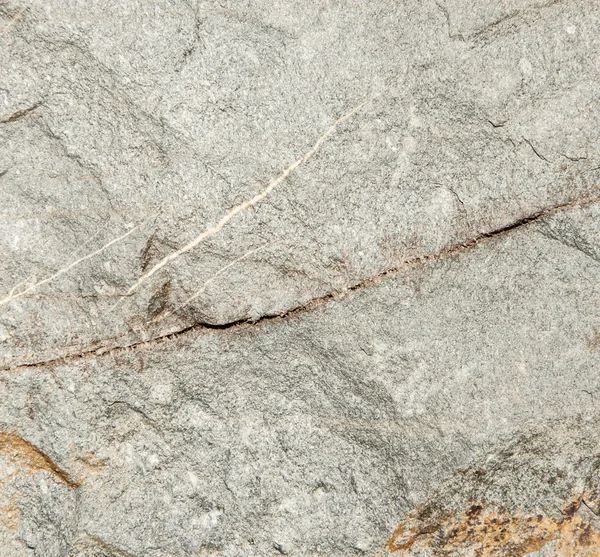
[27, 454]
[480, 533]
[105, 348]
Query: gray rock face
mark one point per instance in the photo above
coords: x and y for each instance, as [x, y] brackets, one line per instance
[299, 278]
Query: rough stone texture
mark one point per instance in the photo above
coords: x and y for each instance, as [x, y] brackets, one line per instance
[304, 278]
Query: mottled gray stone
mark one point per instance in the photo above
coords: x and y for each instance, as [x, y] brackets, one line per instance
[419, 293]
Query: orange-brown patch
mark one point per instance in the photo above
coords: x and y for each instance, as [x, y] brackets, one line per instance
[10, 516]
[485, 533]
[27, 455]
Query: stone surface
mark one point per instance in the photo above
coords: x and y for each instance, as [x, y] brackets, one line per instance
[304, 278]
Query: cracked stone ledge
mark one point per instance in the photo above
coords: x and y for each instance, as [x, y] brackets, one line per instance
[116, 345]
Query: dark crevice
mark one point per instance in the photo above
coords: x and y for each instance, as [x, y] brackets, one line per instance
[20, 113]
[134, 409]
[584, 502]
[535, 150]
[499, 124]
[574, 159]
[450, 252]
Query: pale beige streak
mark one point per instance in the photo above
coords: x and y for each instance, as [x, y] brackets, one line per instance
[201, 291]
[19, 284]
[12, 296]
[211, 231]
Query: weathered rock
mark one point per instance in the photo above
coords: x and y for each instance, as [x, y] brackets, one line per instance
[305, 279]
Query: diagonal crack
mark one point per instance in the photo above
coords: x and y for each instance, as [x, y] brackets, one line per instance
[538, 154]
[20, 113]
[321, 300]
[134, 409]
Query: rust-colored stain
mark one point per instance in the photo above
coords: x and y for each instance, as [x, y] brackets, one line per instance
[478, 532]
[27, 455]
[10, 516]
